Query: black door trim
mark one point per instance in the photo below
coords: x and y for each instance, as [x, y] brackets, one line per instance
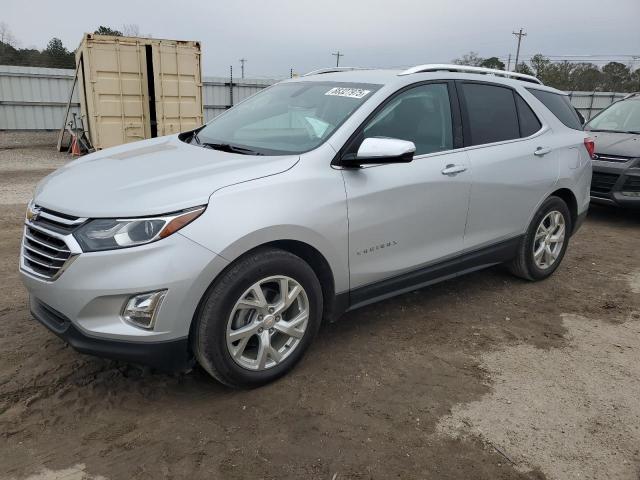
[424, 276]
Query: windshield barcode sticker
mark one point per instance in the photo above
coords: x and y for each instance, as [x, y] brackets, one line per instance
[348, 92]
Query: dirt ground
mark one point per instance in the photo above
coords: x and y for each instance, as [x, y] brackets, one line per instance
[481, 377]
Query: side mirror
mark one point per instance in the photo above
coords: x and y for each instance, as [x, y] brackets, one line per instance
[377, 150]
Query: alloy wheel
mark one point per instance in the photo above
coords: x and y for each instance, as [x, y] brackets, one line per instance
[267, 322]
[549, 239]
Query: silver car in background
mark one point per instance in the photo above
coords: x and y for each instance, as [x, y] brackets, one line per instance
[230, 244]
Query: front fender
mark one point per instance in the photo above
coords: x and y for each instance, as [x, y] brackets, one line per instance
[306, 204]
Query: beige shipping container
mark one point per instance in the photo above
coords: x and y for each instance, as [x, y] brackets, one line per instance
[133, 88]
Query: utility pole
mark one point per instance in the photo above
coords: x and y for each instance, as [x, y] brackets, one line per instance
[338, 55]
[519, 34]
[509, 63]
[242, 60]
[231, 85]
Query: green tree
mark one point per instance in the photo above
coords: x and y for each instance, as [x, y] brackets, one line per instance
[492, 62]
[55, 48]
[102, 30]
[616, 75]
[539, 63]
[634, 82]
[55, 55]
[472, 59]
[8, 54]
[524, 68]
[585, 76]
[564, 72]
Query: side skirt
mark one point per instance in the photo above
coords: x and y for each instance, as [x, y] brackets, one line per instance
[422, 277]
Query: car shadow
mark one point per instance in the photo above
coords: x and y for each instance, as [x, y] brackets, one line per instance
[623, 217]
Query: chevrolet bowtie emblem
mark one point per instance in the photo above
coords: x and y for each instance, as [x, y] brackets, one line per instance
[32, 213]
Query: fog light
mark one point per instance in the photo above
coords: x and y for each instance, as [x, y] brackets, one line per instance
[631, 194]
[141, 310]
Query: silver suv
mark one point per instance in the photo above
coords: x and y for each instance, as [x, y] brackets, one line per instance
[230, 244]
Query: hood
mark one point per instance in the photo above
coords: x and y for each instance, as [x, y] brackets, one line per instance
[610, 143]
[149, 177]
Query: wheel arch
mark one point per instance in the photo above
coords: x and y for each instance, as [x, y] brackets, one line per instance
[570, 199]
[307, 252]
[318, 264]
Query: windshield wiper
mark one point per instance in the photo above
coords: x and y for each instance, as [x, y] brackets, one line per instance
[634, 132]
[226, 147]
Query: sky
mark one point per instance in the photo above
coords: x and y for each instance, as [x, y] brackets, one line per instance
[278, 35]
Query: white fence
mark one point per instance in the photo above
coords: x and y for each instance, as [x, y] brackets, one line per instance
[590, 103]
[218, 94]
[33, 98]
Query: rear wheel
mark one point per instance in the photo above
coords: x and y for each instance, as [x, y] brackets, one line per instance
[258, 318]
[545, 243]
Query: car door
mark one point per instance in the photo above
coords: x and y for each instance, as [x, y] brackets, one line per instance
[405, 216]
[513, 162]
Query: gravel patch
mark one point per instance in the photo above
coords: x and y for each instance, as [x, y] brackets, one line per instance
[572, 412]
[27, 139]
[25, 158]
[76, 472]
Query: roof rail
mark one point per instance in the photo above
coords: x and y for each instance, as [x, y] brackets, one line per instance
[333, 70]
[437, 67]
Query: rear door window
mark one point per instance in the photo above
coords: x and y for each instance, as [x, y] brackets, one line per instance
[559, 106]
[529, 123]
[491, 113]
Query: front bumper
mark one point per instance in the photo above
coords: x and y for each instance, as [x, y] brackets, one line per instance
[616, 183]
[170, 356]
[89, 296]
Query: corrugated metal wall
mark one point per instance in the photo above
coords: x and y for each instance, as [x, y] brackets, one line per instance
[33, 98]
[590, 103]
[217, 93]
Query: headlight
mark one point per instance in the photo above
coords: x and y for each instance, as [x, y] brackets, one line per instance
[108, 234]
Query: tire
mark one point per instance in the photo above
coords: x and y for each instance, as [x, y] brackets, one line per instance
[525, 265]
[233, 306]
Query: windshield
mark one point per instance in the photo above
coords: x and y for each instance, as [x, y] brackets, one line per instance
[620, 117]
[288, 118]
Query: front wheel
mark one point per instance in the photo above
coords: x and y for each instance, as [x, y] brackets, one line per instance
[258, 318]
[545, 243]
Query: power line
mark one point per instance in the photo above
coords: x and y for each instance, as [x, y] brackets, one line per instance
[338, 55]
[519, 35]
[558, 59]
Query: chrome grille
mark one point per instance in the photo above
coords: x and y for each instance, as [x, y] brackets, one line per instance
[46, 249]
[611, 158]
[57, 222]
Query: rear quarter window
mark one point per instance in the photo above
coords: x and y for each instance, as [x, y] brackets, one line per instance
[559, 106]
[529, 123]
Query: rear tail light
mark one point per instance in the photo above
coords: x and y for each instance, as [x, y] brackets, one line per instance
[590, 145]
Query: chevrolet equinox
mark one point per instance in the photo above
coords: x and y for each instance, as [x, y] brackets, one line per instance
[230, 244]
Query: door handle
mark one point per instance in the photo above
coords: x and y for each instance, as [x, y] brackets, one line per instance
[540, 151]
[452, 169]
